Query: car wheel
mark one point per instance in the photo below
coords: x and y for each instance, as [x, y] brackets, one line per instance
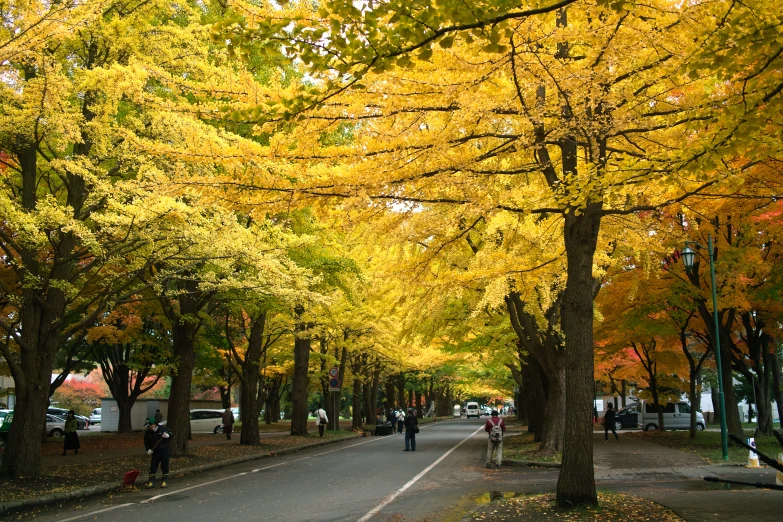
[57, 432]
[650, 427]
[700, 427]
[618, 425]
[218, 430]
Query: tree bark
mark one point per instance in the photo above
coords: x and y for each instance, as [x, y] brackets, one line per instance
[553, 419]
[777, 392]
[249, 399]
[419, 412]
[301, 381]
[401, 390]
[576, 483]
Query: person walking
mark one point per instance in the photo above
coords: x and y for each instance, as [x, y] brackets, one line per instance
[228, 423]
[321, 419]
[496, 428]
[400, 419]
[156, 442]
[411, 429]
[71, 441]
[609, 420]
[158, 416]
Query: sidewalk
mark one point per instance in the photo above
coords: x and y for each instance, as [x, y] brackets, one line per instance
[675, 479]
[85, 457]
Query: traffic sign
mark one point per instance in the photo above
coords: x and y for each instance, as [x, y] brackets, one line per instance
[334, 384]
[334, 372]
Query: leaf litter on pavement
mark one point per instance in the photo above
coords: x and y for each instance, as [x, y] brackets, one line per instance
[611, 506]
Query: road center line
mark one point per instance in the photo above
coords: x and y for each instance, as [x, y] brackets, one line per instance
[174, 492]
[388, 500]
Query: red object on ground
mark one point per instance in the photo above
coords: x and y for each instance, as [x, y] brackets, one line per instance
[130, 478]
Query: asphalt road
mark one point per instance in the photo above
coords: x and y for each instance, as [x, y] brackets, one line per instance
[357, 480]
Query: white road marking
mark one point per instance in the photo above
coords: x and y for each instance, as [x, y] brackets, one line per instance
[95, 512]
[388, 500]
[173, 492]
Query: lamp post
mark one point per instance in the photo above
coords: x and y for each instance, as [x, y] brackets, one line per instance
[688, 256]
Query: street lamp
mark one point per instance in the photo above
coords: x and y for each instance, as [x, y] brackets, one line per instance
[688, 256]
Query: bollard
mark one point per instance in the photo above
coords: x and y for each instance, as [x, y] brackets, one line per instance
[753, 458]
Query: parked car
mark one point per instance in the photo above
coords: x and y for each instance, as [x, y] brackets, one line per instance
[55, 426]
[676, 416]
[82, 422]
[472, 410]
[206, 421]
[95, 416]
[486, 411]
[457, 411]
[6, 416]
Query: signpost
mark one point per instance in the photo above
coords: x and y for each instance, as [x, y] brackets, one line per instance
[334, 392]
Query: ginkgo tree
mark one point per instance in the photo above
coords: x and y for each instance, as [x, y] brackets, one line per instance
[602, 108]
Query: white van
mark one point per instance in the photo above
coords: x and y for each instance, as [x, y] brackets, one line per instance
[472, 410]
[676, 416]
[457, 411]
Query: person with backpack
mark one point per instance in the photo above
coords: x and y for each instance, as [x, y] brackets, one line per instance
[156, 442]
[321, 419]
[495, 427]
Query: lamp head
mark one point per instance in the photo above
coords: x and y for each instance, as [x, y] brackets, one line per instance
[688, 257]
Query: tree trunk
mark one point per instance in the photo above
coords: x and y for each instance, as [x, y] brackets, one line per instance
[369, 413]
[419, 412]
[733, 422]
[554, 413]
[763, 408]
[184, 333]
[388, 386]
[22, 457]
[251, 394]
[576, 483]
[125, 406]
[376, 376]
[777, 392]
[533, 375]
[410, 400]
[356, 417]
[401, 390]
[300, 385]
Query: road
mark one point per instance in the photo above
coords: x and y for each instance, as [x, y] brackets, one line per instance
[357, 480]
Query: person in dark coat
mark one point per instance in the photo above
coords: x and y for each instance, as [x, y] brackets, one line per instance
[609, 420]
[411, 425]
[228, 423]
[391, 418]
[71, 441]
[158, 416]
[156, 442]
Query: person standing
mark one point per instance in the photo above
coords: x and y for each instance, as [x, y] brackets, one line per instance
[156, 442]
[391, 418]
[400, 419]
[321, 419]
[71, 441]
[609, 420]
[496, 428]
[411, 428]
[158, 416]
[228, 423]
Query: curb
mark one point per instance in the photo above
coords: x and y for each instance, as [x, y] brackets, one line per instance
[98, 489]
[532, 464]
